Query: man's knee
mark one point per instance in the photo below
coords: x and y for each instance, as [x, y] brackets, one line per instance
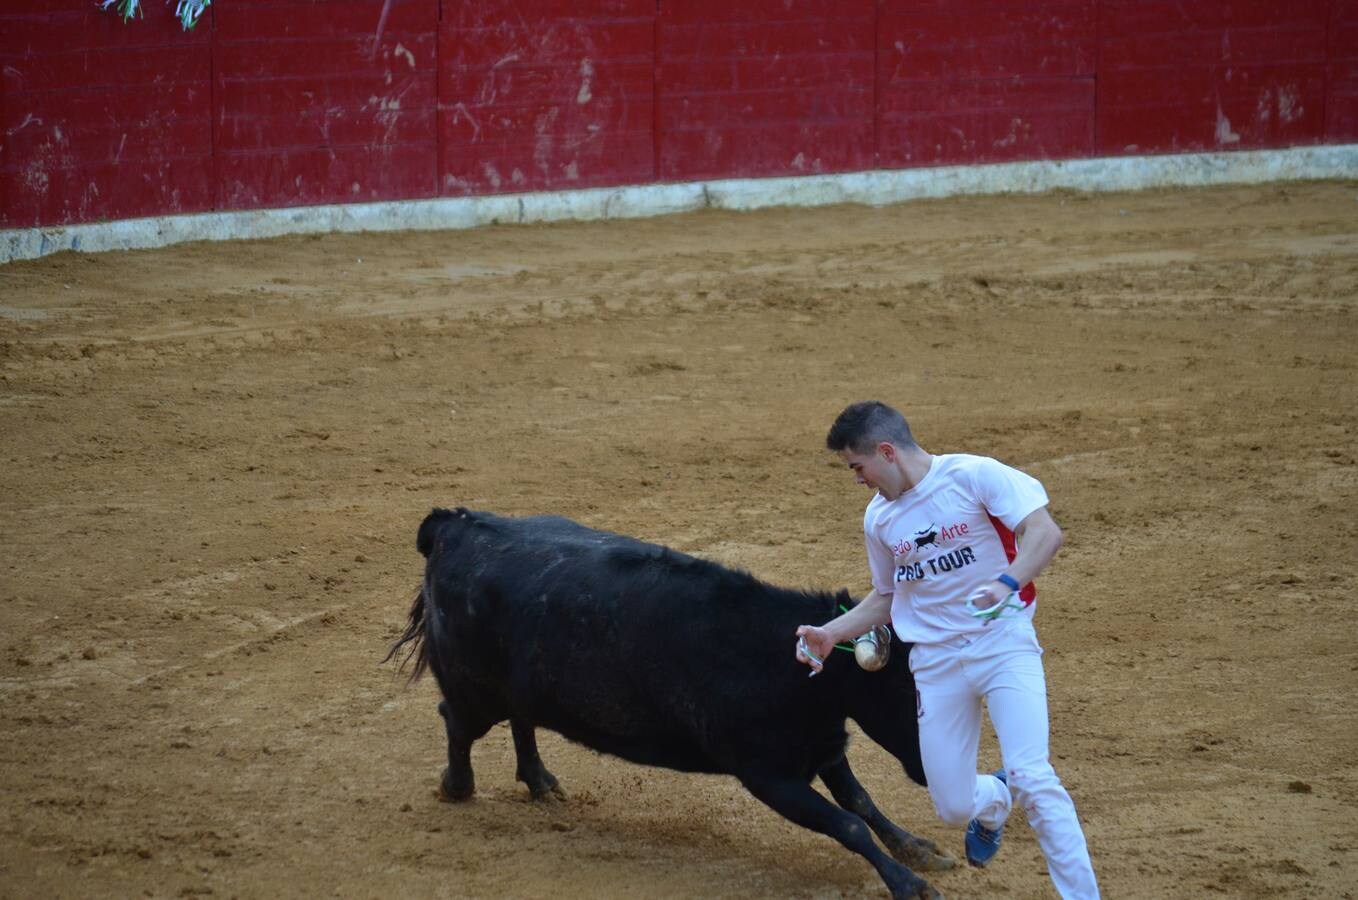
[1037, 786]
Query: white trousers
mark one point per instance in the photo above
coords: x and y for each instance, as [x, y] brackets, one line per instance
[1003, 665]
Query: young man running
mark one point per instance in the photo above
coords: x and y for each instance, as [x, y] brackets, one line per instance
[949, 574]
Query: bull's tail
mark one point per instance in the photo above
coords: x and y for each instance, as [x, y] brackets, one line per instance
[416, 636]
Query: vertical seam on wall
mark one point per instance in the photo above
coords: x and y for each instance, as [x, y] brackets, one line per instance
[877, 84]
[655, 94]
[8, 217]
[214, 145]
[1325, 75]
[1098, 68]
[438, 100]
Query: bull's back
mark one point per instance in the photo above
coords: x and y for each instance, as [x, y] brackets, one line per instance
[613, 642]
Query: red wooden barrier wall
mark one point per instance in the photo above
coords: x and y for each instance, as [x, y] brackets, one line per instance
[309, 106]
[272, 103]
[536, 95]
[967, 81]
[1341, 74]
[1179, 76]
[101, 121]
[763, 87]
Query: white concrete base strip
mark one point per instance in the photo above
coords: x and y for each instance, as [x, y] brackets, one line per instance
[875, 188]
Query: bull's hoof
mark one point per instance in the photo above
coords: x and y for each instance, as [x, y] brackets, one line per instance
[542, 784]
[553, 794]
[934, 862]
[926, 844]
[546, 790]
[921, 855]
[916, 889]
[456, 790]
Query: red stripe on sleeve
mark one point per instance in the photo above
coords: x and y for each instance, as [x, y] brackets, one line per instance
[1028, 593]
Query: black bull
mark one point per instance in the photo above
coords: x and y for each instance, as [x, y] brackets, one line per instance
[659, 658]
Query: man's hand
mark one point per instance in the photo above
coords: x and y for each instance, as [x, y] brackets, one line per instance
[818, 645]
[990, 593]
[873, 609]
[989, 604]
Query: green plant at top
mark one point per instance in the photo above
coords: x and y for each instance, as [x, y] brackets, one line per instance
[188, 12]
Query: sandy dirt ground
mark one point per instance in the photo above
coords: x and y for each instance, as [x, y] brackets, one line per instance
[213, 459]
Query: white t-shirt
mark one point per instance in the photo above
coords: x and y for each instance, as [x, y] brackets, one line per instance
[944, 538]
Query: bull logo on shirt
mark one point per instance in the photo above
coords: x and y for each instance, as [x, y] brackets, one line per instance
[933, 538]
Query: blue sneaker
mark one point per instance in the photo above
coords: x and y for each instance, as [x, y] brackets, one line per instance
[982, 843]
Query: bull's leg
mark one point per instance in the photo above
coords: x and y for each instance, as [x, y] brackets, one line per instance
[915, 852]
[795, 800]
[463, 730]
[542, 785]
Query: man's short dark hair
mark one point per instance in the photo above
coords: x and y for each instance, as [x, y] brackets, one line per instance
[862, 426]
